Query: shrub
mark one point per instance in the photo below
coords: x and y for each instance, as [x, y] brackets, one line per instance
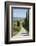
[18, 29]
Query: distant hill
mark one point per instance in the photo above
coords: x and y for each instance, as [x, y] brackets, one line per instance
[18, 18]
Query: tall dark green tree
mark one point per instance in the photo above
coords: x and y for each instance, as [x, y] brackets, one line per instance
[26, 25]
[18, 23]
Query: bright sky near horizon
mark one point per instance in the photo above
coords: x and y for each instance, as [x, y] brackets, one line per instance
[19, 12]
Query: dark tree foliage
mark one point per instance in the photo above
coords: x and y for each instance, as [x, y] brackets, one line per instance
[26, 24]
[18, 23]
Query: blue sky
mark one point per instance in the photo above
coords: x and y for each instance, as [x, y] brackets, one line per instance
[19, 12]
